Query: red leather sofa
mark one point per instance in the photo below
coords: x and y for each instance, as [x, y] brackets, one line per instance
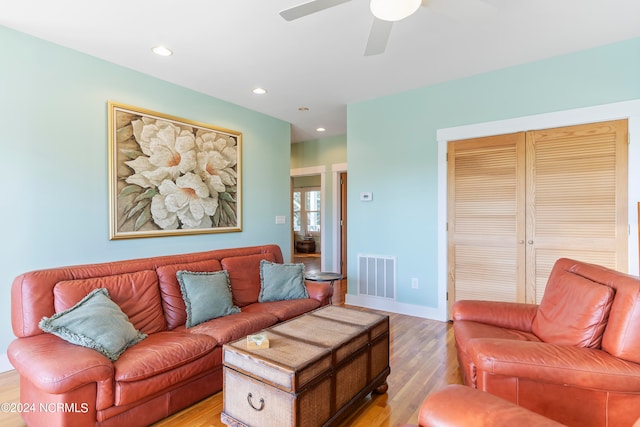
[174, 367]
[575, 358]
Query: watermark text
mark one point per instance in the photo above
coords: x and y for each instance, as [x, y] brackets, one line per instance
[52, 407]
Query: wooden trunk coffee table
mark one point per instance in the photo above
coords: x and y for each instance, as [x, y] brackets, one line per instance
[318, 367]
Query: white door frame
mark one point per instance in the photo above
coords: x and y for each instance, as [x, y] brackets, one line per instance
[336, 170]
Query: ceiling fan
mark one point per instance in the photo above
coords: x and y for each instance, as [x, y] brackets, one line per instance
[385, 13]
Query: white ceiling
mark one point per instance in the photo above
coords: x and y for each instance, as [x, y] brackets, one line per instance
[225, 48]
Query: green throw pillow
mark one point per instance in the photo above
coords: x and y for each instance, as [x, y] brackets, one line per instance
[281, 281]
[95, 322]
[206, 295]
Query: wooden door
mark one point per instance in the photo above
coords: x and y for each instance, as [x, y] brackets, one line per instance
[576, 199]
[486, 228]
[519, 202]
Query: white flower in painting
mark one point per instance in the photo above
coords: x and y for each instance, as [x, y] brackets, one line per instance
[146, 174]
[186, 199]
[217, 156]
[169, 152]
[161, 215]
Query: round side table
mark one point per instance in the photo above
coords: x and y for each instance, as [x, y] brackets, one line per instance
[324, 276]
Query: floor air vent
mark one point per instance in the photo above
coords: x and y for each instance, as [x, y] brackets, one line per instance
[377, 276]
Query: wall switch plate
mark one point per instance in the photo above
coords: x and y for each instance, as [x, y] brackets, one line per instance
[366, 196]
[280, 219]
[414, 283]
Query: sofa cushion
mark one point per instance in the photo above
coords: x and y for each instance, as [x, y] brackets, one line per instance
[162, 361]
[283, 310]
[234, 326]
[95, 322]
[137, 294]
[207, 295]
[174, 309]
[574, 311]
[244, 274]
[281, 281]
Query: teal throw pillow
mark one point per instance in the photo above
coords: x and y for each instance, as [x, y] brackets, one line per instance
[206, 295]
[95, 322]
[281, 281]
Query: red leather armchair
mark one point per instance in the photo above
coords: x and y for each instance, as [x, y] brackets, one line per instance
[461, 406]
[575, 358]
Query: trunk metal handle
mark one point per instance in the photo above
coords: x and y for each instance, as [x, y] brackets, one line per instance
[250, 400]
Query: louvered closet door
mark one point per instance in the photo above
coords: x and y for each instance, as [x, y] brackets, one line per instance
[519, 202]
[486, 218]
[576, 199]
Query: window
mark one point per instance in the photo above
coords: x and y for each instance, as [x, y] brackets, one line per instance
[306, 211]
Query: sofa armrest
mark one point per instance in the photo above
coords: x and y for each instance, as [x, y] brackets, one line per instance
[458, 405]
[56, 366]
[319, 291]
[508, 315]
[556, 364]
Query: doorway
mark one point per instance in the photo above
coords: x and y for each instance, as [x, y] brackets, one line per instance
[306, 222]
[308, 237]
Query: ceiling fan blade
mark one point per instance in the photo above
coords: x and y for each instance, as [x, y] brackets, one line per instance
[309, 8]
[378, 37]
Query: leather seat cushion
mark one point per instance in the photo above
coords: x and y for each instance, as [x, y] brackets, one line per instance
[283, 310]
[234, 326]
[161, 361]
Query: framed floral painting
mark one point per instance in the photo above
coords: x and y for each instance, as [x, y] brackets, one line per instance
[170, 176]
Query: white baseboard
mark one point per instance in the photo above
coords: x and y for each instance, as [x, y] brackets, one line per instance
[396, 307]
[4, 363]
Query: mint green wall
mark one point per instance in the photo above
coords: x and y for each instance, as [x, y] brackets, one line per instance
[319, 152]
[323, 152]
[53, 133]
[392, 148]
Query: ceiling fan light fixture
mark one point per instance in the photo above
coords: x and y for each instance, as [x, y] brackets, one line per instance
[394, 10]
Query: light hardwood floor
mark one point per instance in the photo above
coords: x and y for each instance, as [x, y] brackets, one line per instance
[423, 360]
[311, 262]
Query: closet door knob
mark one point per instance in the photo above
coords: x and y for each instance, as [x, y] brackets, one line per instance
[530, 242]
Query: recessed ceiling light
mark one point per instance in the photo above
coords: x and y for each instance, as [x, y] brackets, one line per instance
[259, 91]
[320, 129]
[162, 51]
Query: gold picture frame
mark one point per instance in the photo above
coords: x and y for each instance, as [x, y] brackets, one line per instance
[171, 176]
